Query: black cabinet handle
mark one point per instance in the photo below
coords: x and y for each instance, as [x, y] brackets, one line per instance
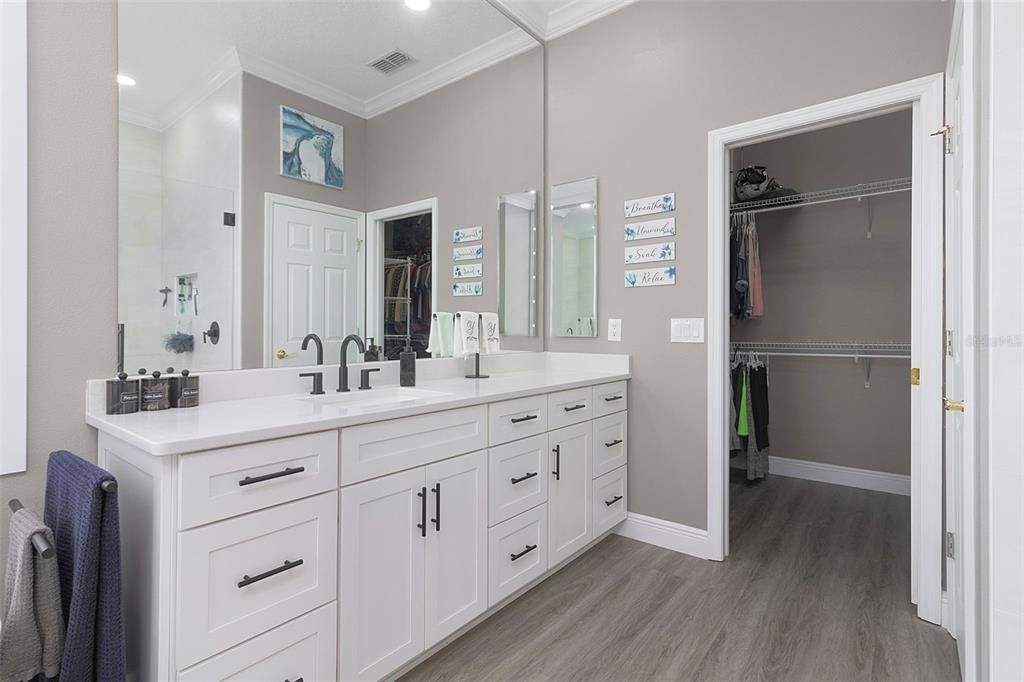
[613, 443]
[290, 471]
[574, 408]
[615, 499]
[422, 525]
[286, 566]
[524, 477]
[613, 398]
[558, 462]
[437, 506]
[297, 679]
[519, 420]
[529, 548]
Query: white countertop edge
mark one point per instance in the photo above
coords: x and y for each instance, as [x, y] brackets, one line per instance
[119, 426]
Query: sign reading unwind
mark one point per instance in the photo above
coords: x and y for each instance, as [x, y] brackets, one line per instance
[661, 203]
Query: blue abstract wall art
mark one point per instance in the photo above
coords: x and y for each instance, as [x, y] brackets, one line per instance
[312, 149]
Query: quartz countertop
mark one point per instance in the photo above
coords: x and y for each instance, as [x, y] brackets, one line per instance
[233, 422]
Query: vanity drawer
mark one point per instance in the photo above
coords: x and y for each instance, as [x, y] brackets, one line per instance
[382, 448]
[306, 649]
[512, 563]
[609, 501]
[570, 407]
[242, 577]
[218, 484]
[609, 398]
[518, 480]
[514, 419]
[609, 443]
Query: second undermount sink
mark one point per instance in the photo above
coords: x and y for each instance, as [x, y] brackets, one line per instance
[375, 397]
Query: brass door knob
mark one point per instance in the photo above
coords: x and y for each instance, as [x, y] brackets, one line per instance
[281, 354]
[952, 405]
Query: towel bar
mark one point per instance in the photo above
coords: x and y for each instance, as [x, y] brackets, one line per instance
[39, 540]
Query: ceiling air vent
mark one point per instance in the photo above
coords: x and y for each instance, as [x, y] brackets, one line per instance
[391, 62]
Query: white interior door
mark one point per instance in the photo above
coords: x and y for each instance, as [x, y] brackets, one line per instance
[569, 491]
[316, 278]
[456, 559]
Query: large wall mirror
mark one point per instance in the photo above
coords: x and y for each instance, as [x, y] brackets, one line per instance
[294, 167]
[573, 256]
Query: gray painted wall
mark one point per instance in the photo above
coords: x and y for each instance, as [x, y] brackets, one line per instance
[631, 98]
[261, 173]
[465, 144]
[72, 230]
[824, 280]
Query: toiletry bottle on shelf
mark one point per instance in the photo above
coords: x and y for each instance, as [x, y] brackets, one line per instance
[372, 353]
[188, 390]
[407, 367]
[122, 395]
[155, 392]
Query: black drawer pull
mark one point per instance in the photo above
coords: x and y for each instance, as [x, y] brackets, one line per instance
[525, 477]
[519, 420]
[289, 471]
[574, 408]
[437, 506]
[612, 399]
[558, 462]
[286, 566]
[615, 499]
[422, 525]
[529, 548]
[613, 443]
[297, 679]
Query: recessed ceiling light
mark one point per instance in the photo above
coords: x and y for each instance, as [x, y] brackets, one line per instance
[125, 80]
[418, 5]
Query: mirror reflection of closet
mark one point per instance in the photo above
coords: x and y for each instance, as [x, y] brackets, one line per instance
[574, 258]
[517, 263]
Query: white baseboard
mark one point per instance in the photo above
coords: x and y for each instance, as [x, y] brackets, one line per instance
[666, 534]
[897, 484]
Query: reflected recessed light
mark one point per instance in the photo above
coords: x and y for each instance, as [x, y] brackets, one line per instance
[125, 80]
[418, 5]
[587, 205]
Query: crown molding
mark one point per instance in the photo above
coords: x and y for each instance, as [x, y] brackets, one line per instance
[550, 25]
[501, 48]
[138, 118]
[302, 84]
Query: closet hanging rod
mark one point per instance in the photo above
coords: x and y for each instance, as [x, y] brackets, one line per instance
[824, 349]
[859, 191]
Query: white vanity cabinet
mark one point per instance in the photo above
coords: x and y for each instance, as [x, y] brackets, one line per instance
[351, 553]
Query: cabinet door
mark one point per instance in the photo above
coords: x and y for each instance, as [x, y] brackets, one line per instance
[382, 550]
[569, 523]
[456, 551]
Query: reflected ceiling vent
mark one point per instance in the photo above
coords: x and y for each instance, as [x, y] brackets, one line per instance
[391, 62]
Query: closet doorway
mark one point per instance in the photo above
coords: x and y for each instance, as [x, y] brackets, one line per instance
[786, 337]
[401, 279]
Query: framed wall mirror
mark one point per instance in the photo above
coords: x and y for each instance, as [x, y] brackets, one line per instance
[287, 168]
[573, 258]
[518, 263]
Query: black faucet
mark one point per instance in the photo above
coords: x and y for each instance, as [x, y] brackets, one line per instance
[319, 347]
[343, 369]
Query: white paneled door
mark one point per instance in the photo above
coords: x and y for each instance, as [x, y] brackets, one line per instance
[456, 560]
[570, 455]
[316, 279]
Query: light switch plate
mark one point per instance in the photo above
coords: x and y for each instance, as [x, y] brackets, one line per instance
[687, 330]
[614, 329]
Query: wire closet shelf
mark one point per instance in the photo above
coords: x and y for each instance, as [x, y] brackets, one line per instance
[824, 349]
[858, 191]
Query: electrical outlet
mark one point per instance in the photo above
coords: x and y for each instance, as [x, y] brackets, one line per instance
[686, 330]
[614, 329]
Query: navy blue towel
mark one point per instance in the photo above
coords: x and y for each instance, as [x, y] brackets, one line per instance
[84, 521]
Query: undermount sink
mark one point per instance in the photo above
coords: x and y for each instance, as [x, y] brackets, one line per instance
[374, 397]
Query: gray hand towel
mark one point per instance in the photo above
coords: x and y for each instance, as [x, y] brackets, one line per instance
[32, 639]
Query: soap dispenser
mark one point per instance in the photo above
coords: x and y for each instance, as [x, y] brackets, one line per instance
[407, 366]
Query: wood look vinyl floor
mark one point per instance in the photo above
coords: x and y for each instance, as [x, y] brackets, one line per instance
[817, 588]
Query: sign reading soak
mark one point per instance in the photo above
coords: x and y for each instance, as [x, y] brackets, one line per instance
[467, 270]
[661, 203]
[654, 277]
[650, 252]
[649, 229]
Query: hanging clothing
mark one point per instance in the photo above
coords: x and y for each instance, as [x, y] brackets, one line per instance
[745, 294]
[743, 425]
[748, 432]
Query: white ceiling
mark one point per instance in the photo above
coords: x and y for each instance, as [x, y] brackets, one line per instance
[179, 51]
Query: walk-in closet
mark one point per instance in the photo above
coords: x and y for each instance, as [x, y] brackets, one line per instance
[820, 332]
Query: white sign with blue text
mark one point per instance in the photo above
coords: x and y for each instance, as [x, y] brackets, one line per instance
[659, 203]
[649, 229]
[653, 277]
[650, 252]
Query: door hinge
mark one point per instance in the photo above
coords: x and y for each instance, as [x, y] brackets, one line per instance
[915, 376]
[359, 245]
[949, 343]
[947, 137]
[950, 553]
